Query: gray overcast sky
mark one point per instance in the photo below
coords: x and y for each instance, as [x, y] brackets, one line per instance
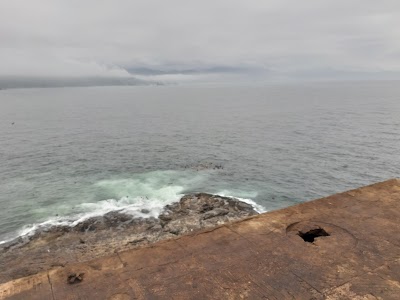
[103, 37]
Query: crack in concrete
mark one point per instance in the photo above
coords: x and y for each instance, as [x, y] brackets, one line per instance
[51, 286]
[330, 290]
[119, 257]
[203, 232]
[243, 237]
[303, 280]
[259, 288]
[183, 248]
[391, 242]
[373, 272]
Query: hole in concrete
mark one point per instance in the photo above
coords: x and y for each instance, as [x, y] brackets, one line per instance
[312, 234]
[75, 278]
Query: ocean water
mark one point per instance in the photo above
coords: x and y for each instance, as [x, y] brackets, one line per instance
[70, 153]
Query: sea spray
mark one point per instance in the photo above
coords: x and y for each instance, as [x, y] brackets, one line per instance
[142, 195]
[244, 197]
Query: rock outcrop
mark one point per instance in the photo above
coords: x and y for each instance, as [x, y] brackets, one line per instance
[99, 236]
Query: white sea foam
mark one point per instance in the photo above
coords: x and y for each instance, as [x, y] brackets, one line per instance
[257, 207]
[143, 207]
[144, 195]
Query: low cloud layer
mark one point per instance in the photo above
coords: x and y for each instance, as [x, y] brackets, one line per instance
[181, 39]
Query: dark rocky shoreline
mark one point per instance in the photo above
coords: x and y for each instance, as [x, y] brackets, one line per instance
[98, 236]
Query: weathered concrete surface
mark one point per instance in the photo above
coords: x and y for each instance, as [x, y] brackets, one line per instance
[260, 257]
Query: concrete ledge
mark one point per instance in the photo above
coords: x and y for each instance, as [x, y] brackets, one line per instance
[346, 246]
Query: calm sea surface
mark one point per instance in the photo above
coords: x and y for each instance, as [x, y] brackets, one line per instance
[70, 153]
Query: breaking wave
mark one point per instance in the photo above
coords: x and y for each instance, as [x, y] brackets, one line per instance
[143, 195]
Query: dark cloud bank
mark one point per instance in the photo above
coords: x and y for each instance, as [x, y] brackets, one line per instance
[101, 42]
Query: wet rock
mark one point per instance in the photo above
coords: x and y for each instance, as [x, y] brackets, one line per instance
[243, 206]
[175, 231]
[215, 213]
[138, 241]
[165, 217]
[206, 207]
